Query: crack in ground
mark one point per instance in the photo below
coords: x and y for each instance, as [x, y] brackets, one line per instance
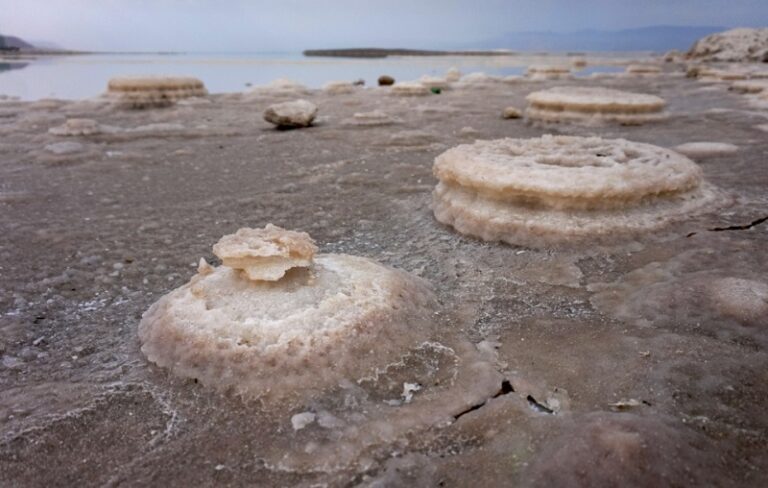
[539, 407]
[506, 387]
[748, 226]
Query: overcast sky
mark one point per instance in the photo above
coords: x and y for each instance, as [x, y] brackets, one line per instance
[284, 25]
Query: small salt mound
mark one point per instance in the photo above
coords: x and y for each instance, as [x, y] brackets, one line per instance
[579, 63]
[298, 113]
[643, 69]
[477, 80]
[557, 189]
[278, 88]
[434, 82]
[593, 105]
[153, 91]
[742, 44]
[409, 89]
[744, 300]
[750, 86]
[371, 119]
[511, 113]
[453, 74]
[265, 254]
[79, 127]
[311, 330]
[549, 72]
[339, 87]
[701, 150]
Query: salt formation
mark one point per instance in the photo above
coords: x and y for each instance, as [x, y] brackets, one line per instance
[434, 82]
[265, 254]
[279, 88]
[338, 87]
[453, 74]
[750, 86]
[701, 150]
[408, 89]
[371, 119]
[739, 45]
[557, 189]
[593, 105]
[77, 127]
[511, 113]
[548, 72]
[61, 148]
[277, 321]
[643, 70]
[153, 91]
[477, 80]
[298, 113]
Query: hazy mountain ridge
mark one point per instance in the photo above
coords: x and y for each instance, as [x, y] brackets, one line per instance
[14, 42]
[653, 38]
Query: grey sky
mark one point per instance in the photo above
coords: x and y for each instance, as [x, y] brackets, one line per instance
[260, 25]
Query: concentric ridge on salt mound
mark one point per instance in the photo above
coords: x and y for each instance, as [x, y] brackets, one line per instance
[593, 105]
[154, 91]
[558, 189]
[333, 318]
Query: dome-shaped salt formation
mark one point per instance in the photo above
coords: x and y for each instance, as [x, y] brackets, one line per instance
[558, 189]
[643, 70]
[742, 44]
[154, 91]
[549, 72]
[275, 321]
[593, 105]
[409, 89]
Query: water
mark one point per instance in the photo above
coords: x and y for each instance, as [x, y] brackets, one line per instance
[84, 76]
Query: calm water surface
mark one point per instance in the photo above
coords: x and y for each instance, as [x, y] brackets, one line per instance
[84, 76]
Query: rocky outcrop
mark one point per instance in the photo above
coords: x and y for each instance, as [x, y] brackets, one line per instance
[738, 45]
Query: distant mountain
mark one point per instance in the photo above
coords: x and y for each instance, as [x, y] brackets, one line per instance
[655, 38]
[12, 41]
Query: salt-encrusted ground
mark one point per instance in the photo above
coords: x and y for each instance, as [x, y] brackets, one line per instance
[609, 366]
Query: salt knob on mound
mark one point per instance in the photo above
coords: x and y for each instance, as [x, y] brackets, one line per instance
[298, 113]
[77, 127]
[594, 105]
[279, 322]
[154, 91]
[265, 254]
[560, 189]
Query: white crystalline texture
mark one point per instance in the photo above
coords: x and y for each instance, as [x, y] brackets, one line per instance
[77, 127]
[558, 189]
[739, 45]
[643, 69]
[700, 150]
[298, 113]
[61, 148]
[265, 254]
[339, 87]
[593, 105]
[550, 72]
[154, 91]
[278, 88]
[408, 89]
[453, 74]
[373, 118]
[435, 82]
[292, 338]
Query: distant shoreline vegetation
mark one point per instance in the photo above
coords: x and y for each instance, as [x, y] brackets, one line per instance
[369, 52]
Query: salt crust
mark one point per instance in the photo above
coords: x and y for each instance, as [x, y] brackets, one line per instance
[561, 189]
[265, 254]
[643, 69]
[339, 87]
[549, 72]
[706, 149]
[409, 89]
[742, 44]
[80, 127]
[593, 104]
[153, 91]
[278, 88]
[744, 300]
[295, 337]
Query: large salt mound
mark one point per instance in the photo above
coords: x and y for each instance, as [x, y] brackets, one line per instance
[557, 189]
[315, 327]
[742, 44]
[593, 105]
[153, 91]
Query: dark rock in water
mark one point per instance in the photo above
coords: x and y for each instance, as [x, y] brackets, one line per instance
[385, 80]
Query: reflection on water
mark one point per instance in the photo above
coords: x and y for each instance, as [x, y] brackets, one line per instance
[10, 66]
[83, 76]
